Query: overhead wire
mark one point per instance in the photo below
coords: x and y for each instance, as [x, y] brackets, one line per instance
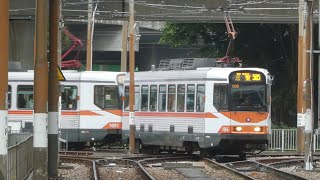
[247, 8]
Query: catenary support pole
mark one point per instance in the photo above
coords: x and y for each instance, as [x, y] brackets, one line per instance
[4, 58]
[319, 68]
[309, 87]
[124, 46]
[301, 105]
[53, 90]
[132, 143]
[89, 37]
[40, 136]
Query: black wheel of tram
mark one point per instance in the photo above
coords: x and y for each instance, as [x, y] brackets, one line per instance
[155, 149]
[138, 146]
[243, 156]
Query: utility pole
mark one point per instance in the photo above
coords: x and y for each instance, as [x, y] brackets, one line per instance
[53, 90]
[124, 46]
[302, 64]
[132, 143]
[40, 134]
[4, 58]
[89, 37]
[319, 68]
[309, 86]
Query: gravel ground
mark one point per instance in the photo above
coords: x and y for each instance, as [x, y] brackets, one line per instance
[73, 171]
[160, 174]
[216, 173]
[119, 173]
[312, 175]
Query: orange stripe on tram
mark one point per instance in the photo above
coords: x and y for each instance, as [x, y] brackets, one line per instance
[22, 112]
[173, 114]
[115, 112]
[89, 113]
[70, 113]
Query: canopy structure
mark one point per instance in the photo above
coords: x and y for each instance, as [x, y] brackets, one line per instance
[242, 11]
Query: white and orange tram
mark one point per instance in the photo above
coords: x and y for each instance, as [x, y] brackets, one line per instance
[90, 104]
[212, 110]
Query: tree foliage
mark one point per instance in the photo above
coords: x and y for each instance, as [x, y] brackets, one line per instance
[270, 46]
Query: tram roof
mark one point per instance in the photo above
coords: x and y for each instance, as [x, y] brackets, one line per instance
[70, 75]
[212, 73]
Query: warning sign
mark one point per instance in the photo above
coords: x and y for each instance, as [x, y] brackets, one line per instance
[301, 121]
[60, 75]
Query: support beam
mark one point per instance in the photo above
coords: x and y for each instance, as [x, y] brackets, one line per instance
[4, 58]
[53, 90]
[40, 136]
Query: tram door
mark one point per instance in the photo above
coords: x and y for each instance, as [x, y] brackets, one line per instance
[221, 104]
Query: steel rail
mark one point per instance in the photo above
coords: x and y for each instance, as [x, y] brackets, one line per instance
[148, 160]
[288, 162]
[264, 168]
[212, 163]
[138, 166]
[94, 167]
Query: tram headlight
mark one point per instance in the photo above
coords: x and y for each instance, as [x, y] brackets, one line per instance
[257, 129]
[238, 128]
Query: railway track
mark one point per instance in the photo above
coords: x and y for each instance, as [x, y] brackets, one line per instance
[188, 167]
[88, 163]
[178, 166]
[257, 170]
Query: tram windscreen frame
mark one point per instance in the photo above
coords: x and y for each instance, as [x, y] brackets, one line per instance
[248, 91]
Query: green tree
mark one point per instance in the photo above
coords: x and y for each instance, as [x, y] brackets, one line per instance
[270, 46]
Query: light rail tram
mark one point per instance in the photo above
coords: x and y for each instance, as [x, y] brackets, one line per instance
[90, 105]
[214, 110]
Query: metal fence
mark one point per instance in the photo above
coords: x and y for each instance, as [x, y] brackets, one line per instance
[15, 138]
[286, 140]
[20, 158]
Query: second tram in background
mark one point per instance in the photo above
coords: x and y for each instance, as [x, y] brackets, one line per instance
[90, 105]
[212, 110]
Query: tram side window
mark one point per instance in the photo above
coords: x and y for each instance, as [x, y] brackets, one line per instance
[153, 98]
[136, 98]
[25, 97]
[144, 98]
[9, 97]
[162, 98]
[220, 97]
[69, 98]
[126, 98]
[171, 98]
[200, 98]
[106, 97]
[181, 97]
[190, 97]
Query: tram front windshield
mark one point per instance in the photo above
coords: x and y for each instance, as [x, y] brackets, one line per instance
[248, 97]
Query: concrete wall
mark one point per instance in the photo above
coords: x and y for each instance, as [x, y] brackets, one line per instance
[22, 43]
[105, 37]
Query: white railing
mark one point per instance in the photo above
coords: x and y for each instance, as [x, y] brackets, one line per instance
[286, 140]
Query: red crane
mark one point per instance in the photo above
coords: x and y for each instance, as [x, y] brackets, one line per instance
[74, 63]
[232, 34]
